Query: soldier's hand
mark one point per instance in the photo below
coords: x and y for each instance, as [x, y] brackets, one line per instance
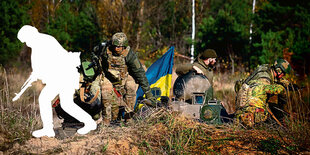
[155, 102]
[150, 97]
[285, 82]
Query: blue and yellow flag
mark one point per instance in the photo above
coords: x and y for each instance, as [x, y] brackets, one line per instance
[159, 75]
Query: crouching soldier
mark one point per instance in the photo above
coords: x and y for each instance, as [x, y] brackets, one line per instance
[88, 97]
[118, 61]
[255, 94]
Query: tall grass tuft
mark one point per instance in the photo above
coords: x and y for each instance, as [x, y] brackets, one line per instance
[18, 118]
[297, 120]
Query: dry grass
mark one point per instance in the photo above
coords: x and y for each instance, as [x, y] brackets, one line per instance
[165, 132]
[170, 133]
[17, 118]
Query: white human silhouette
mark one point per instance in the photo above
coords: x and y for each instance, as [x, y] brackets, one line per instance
[56, 67]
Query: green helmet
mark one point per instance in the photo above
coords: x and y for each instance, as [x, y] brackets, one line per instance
[119, 39]
[283, 65]
[208, 53]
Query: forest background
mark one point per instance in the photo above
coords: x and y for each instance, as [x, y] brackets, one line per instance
[280, 28]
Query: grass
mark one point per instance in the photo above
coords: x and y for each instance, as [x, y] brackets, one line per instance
[166, 132]
[19, 118]
[104, 148]
[174, 134]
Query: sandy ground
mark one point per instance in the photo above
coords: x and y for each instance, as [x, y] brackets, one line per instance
[107, 140]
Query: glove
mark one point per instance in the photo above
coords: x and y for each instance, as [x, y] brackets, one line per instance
[285, 82]
[148, 94]
[150, 97]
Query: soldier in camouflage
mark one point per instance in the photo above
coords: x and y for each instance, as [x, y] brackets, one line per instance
[262, 88]
[88, 97]
[119, 61]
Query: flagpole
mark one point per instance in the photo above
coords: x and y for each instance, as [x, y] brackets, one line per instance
[253, 11]
[193, 31]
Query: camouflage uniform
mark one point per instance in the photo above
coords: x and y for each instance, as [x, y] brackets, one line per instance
[88, 97]
[254, 108]
[258, 91]
[116, 68]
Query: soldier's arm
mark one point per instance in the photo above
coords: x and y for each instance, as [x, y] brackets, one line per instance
[136, 70]
[275, 89]
[183, 69]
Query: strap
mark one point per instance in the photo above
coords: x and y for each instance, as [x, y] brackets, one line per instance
[117, 93]
[56, 103]
[82, 90]
[274, 117]
[94, 98]
[262, 68]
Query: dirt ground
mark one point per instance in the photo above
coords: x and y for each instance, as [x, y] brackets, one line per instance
[107, 140]
[155, 136]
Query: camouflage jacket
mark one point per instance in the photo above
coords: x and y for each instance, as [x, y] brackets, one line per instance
[262, 76]
[207, 71]
[265, 73]
[262, 72]
[134, 67]
[261, 91]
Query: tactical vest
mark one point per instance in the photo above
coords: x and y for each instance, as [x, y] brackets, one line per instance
[244, 88]
[118, 68]
[262, 71]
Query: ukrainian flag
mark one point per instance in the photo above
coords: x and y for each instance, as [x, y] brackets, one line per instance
[159, 75]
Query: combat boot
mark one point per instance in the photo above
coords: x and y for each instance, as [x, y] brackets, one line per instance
[115, 123]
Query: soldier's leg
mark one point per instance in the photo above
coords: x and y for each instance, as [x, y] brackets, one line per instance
[260, 115]
[46, 96]
[96, 106]
[129, 98]
[67, 104]
[106, 99]
[130, 95]
[252, 112]
[115, 105]
[246, 118]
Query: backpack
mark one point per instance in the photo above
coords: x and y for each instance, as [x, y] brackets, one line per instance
[243, 87]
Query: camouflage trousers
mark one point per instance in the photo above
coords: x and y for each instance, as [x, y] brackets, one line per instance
[254, 112]
[114, 99]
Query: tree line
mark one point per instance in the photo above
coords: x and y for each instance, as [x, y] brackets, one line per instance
[280, 28]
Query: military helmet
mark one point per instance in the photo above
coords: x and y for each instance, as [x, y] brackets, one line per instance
[282, 65]
[119, 39]
[208, 53]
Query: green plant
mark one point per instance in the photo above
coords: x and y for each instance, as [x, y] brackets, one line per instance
[105, 147]
[270, 145]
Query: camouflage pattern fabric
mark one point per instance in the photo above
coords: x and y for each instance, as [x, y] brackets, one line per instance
[254, 110]
[119, 94]
[93, 108]
[116, 67]
[112, 102]
[119, 39]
